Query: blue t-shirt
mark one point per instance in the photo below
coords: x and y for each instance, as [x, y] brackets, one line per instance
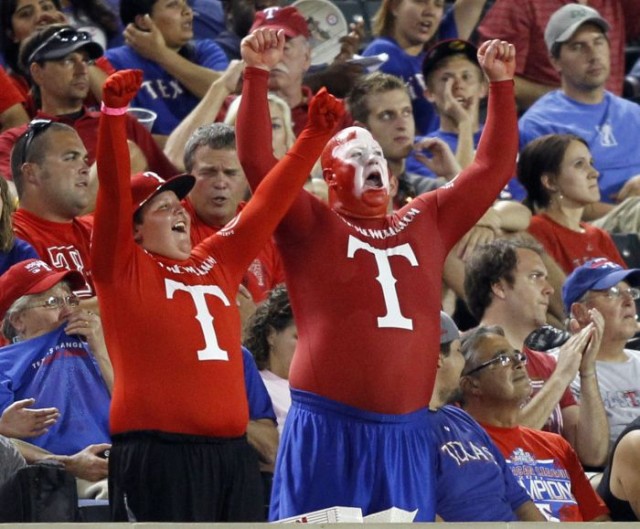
[409, 68]
[161, 92]
[21, 251]
[208, 18]
[610, 128]
[260, 406]
[58, 370]
[473, 481]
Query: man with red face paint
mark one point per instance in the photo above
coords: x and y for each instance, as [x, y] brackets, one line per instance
[365, 291]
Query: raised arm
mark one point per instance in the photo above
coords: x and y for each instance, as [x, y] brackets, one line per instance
[113, 245]
[261, 50]
[280, 188]
[477, 186]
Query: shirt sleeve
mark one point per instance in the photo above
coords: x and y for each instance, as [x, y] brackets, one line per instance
[210, 55]
[260, 406]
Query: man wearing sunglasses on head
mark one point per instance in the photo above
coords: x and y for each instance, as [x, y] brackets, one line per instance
[495, 384]
[58, 60]
[59, 358]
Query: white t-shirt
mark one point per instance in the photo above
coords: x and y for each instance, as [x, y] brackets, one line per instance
[278, 389]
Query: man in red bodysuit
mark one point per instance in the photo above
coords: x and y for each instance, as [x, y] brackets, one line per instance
[179, 409]
[365, 289]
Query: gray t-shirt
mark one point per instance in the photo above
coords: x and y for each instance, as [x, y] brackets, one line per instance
[619, 384]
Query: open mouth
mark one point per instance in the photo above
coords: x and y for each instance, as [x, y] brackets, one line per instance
[180, 227]
[374, 179]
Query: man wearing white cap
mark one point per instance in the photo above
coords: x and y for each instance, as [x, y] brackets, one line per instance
[577, 39]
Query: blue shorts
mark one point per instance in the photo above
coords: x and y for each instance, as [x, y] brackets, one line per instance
[332, 454]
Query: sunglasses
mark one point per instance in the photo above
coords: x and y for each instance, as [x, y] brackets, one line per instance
[36, 127]
[62, 36]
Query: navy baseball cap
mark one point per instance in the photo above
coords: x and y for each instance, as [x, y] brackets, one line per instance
[446, 48]
[597, 274]
[448, 329]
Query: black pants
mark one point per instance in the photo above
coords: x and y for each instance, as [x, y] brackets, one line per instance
[166, 477]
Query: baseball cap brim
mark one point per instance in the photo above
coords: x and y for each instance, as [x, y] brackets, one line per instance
[41, 284]
[288, 32]
[180, 184]
[93, 49]
[448, 48]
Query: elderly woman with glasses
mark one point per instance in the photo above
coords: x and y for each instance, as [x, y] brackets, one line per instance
[59, 358]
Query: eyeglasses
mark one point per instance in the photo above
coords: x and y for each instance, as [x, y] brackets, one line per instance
[35, 127]
[62, 36]
[503, 359]
[56, 302]
[617, 292]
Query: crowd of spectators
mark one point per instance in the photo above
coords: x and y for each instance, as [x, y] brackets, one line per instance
[324, 230]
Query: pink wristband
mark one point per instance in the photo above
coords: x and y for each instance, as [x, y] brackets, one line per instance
[113, 111]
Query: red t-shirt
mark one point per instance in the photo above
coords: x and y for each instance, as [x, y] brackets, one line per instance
[569, 248]
[550, 471]
[63, 245]
[9, 95]
[172, 327]
[263, 274]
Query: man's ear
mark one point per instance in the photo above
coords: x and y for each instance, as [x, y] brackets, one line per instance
[580, 312]
[137, 233]
[36, 73]
[498, 289]
[329, 177]
[17, 322]
[555, 63]
[29, 171]
[440, 360]
[469, 386]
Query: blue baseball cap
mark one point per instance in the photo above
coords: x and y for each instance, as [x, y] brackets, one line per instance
[596, 274]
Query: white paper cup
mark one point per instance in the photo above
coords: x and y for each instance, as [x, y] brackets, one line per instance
[144, 116]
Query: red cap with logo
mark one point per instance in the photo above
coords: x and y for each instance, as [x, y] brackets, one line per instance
[287, 18]
[33, 276]
[145, 186]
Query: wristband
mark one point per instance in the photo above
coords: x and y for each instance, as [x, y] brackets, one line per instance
[109, 111]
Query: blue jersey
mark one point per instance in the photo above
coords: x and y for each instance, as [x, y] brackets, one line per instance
[21, 251]
[260, 406]
[161, 92]
[58, 370]
[473, 481]
[610, 128]
[409, 68]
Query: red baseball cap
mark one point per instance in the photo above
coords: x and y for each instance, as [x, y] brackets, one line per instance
[287, 18]
[33, 276]
[145, 186]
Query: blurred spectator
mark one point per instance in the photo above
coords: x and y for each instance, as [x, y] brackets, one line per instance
[217, 197]
[18, 20]
[96, 18]
[57, 58]
[558, 174]
[271, 336]
[607, 287]
[494, 386]
[12, 249]
[12, 112]
[60, 360]
[474, 483]
[523, 22]
[578, 43]
[620, 482]
[51, 173]
[506, 284]
[177, 69]
[404, 27]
